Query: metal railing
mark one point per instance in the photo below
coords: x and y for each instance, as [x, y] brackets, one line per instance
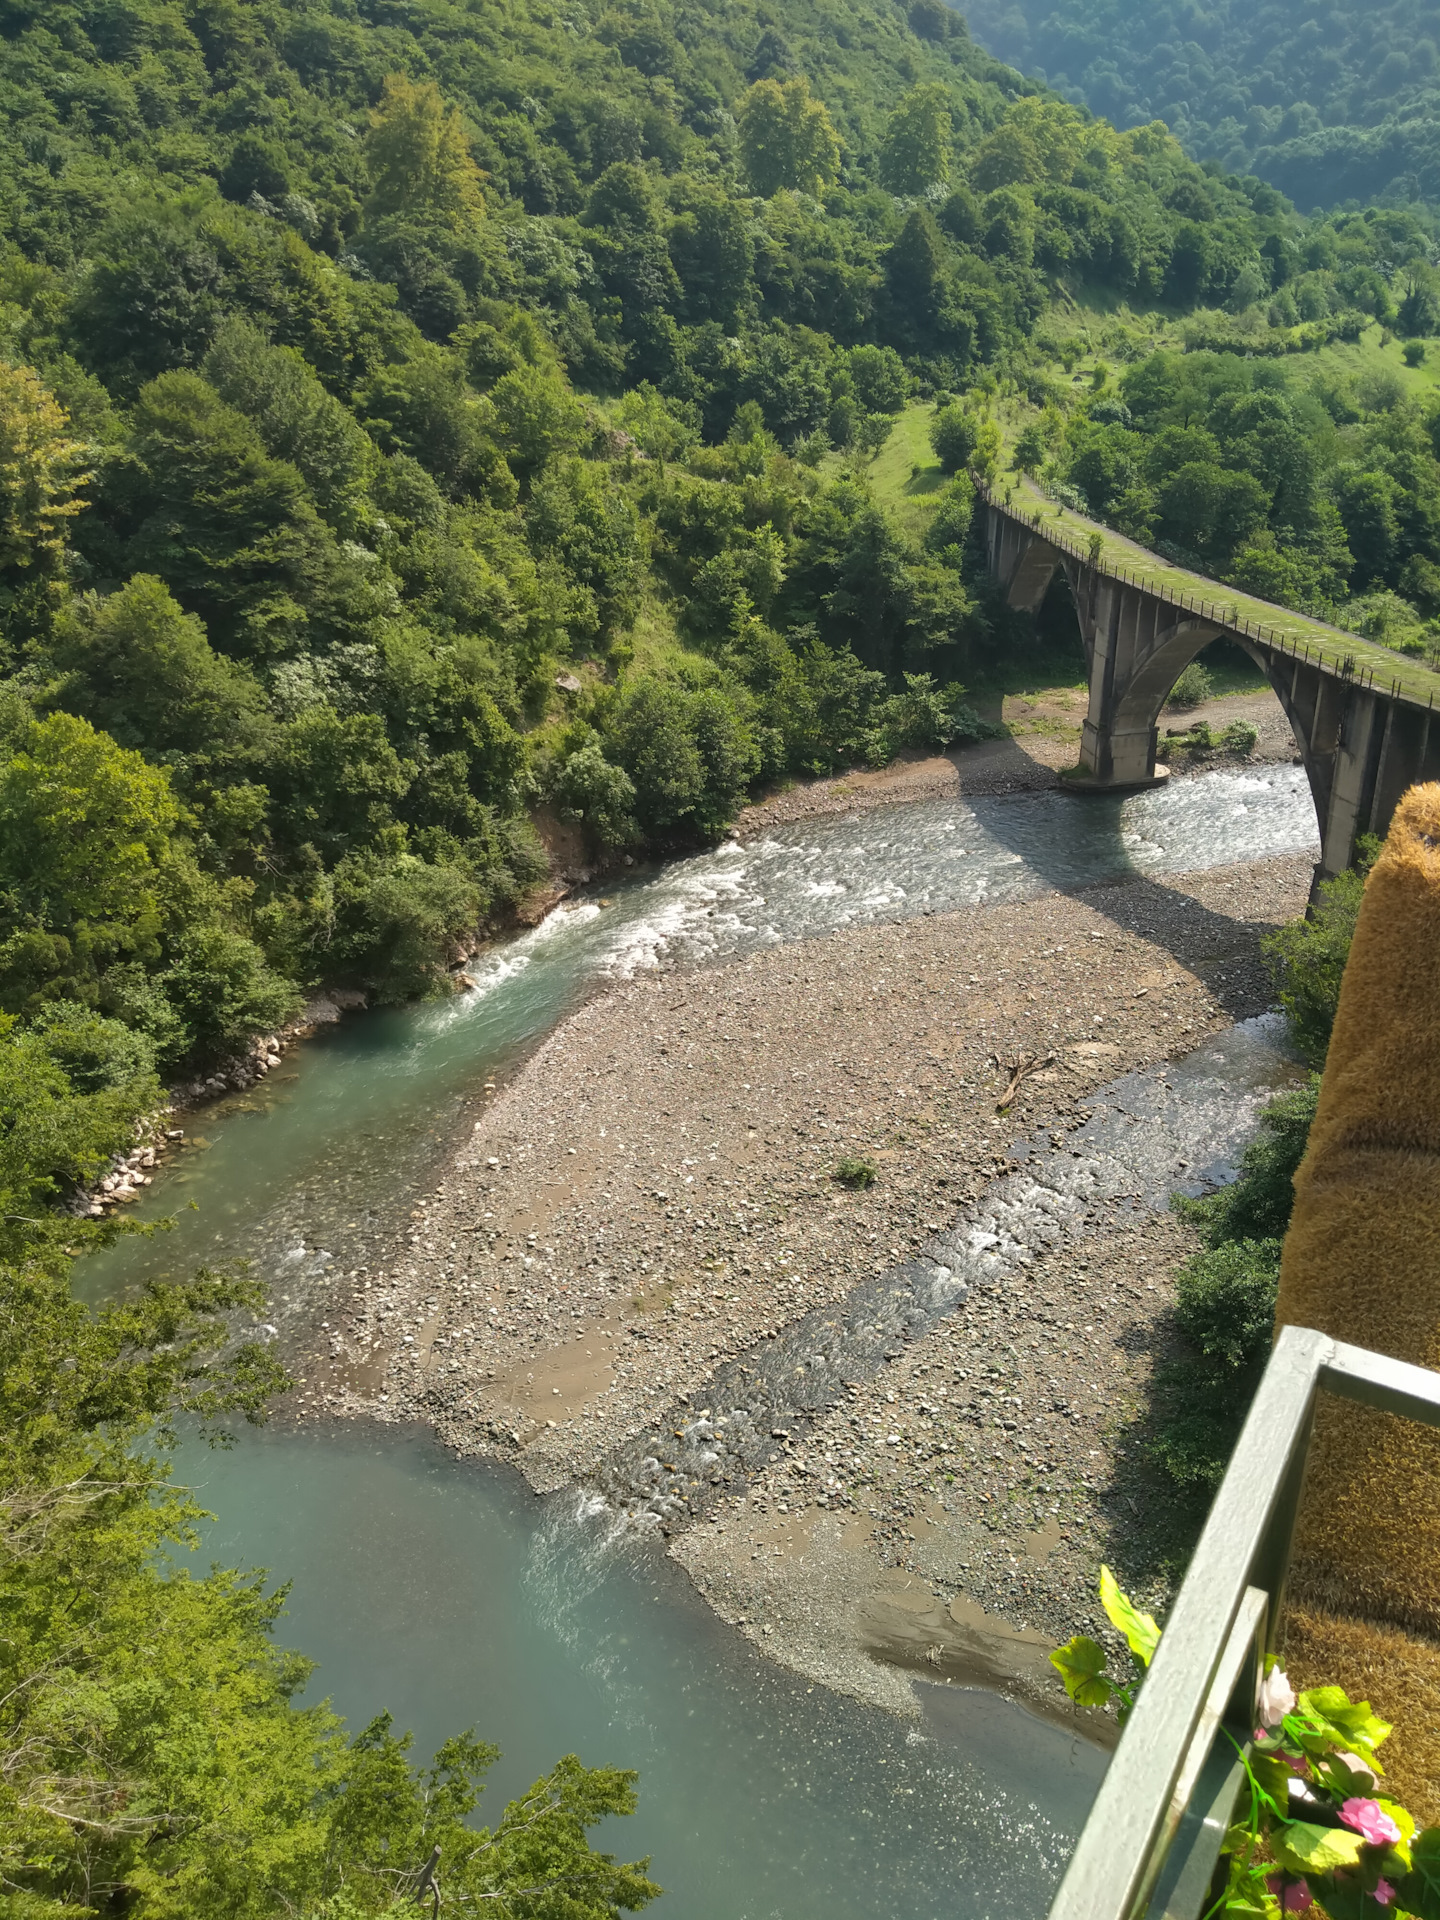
[1152, 1842]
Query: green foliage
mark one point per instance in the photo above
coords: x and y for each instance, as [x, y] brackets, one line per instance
[331, 433]
[1225, 1308]
[1225, 1301]
[1307, 958]
[1192, 689]
[786, 138]
[155, 1760]
[1083, 1664]
[602, 796]
[964, 438]
[856, 1173]
[1327, 108]
[915, 152]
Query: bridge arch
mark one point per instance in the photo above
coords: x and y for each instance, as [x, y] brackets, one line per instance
[1140, 706]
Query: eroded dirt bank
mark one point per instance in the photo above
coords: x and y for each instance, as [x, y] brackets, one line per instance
[654, 1198]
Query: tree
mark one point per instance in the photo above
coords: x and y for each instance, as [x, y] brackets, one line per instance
[43, 469]
[915, 152]
[338, 780]
[297, 419]
[880, 379]
[229, 529]
[962, 438]
[156, 1760]
[1368, 503]
[786, 138]
[713, 253]
[589, 789]
[914, 274]
[84, 829]
[420, 159]
[140, 667]
[536, 417]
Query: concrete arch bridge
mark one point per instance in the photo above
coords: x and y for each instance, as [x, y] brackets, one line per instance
[1364, 737]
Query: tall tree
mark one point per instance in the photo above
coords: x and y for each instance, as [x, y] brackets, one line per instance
[420, 158]
[915, 153]
[787, 138]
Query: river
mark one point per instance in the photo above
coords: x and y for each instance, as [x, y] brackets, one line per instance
[446, 1593]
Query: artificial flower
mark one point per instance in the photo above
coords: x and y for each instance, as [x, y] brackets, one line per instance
[1371, 1822]
[1277, 1697]
[1294, 1896]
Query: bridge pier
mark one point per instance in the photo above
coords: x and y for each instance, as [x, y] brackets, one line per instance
[1362, 746]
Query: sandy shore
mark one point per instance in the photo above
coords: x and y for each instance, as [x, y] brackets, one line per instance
[653, 1197]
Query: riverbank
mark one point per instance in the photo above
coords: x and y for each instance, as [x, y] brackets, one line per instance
[654, 1195]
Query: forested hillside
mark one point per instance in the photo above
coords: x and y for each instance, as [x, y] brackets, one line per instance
[416, 415]
[1329, 104]
[1312, 490]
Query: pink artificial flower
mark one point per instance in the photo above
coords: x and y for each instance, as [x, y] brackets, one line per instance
[1294, 1896]
[1371, 1822]
[1384, 1892]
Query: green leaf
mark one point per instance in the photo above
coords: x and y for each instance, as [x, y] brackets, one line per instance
[1142, 1636]
[1405, 1821]
[1303, 1848]
[1081, 1665]
[1273, 1778]
[1419, 1892]
[1351, 1723]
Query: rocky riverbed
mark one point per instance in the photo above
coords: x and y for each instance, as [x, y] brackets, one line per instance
[635, 1261]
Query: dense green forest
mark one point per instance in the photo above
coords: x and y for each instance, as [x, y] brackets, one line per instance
[1330, 104]
[1314, 491]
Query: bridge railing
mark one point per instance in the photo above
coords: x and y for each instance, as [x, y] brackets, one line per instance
[1229, 617]
[1152, 1843]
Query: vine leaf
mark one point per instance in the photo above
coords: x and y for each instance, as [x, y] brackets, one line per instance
[1142, 1636]
[1303, 1848]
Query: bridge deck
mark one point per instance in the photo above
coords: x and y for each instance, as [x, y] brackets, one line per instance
[1407, 678]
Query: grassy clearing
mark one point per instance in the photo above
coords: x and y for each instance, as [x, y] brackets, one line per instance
[1341, 360]
[905, 475]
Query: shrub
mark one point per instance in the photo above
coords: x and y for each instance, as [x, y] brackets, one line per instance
[856, 1173]
[1226, 1309]
[399, 923]
[96, 1055]
[1239, 737]
[1225, 1299]
[1307, 959]
[223, 992]
[589, 789]
[1414, 351]
[1192, 689]
[924, 715]
[1257, 1206]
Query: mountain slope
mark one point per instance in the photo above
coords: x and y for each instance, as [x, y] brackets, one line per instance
[1329, 105]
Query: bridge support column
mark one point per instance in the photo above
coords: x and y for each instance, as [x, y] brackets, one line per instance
[1110, 757]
